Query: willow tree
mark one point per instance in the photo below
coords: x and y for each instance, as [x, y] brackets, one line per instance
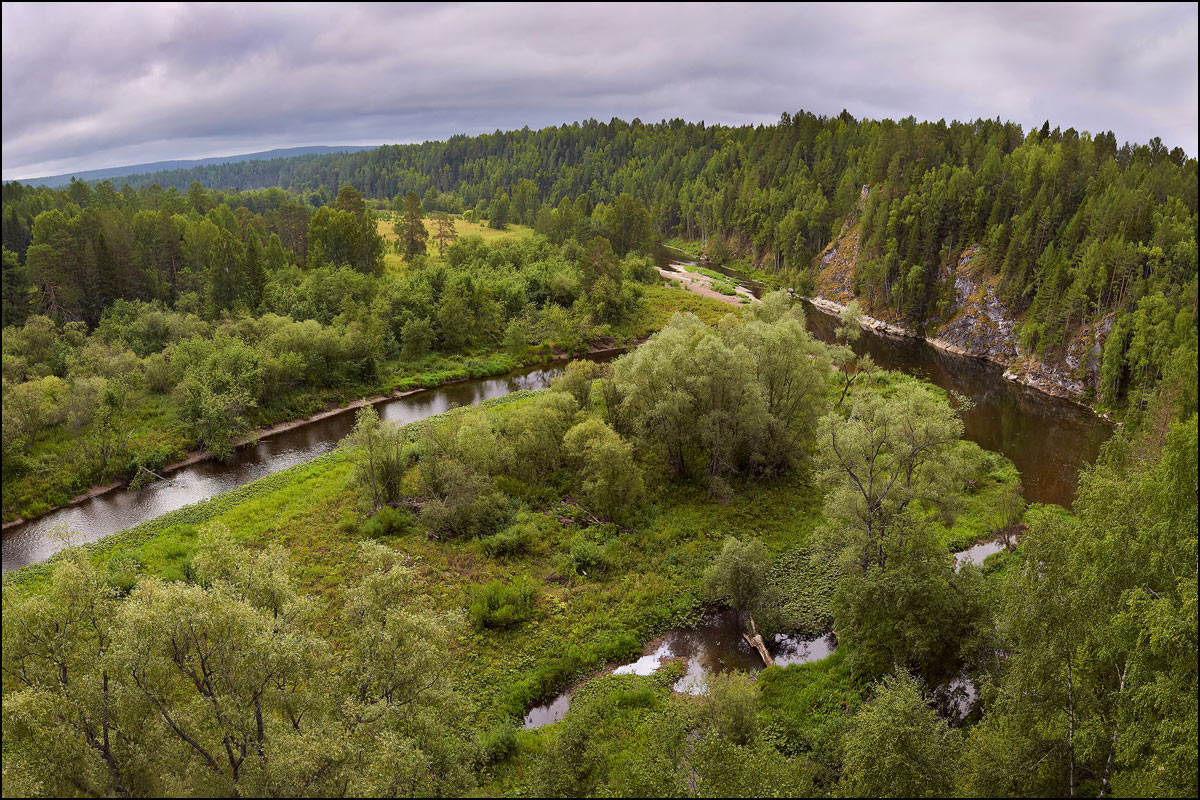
[742, 399]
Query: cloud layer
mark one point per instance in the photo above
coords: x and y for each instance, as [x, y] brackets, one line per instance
[88, 86]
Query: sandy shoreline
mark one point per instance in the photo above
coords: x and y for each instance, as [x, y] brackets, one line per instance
[699, 284]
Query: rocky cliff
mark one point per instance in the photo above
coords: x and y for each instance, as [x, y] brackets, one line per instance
[978, 323]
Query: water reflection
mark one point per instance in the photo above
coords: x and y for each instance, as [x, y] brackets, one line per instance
[115, 511]
[977, 554]
[715, 646]
[1048, 439]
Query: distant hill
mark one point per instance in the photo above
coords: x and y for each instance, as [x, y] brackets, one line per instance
[159, 166]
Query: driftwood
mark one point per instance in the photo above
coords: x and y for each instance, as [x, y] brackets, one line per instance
[155, 474]
[757, 643]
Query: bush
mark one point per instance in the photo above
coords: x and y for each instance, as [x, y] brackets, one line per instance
[499, 743]
[465, 502]
[513, 540]
[731, 703]
[502, 605]
[718, 252]
[123, 571]
[640, 269]
[587, 558]
[387, 521]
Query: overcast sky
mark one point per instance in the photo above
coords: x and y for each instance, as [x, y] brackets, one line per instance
[94, 86]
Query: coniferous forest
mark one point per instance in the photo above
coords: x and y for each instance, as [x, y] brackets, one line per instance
[459, 605]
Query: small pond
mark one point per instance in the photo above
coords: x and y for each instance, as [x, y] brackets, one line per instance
[714, 646]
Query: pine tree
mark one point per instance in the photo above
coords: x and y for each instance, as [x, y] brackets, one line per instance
[410, 228]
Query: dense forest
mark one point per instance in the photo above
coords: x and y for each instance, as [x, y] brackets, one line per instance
[378, 621]
[1077, 230]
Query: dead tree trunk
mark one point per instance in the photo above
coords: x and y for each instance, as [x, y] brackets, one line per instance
[757, 643]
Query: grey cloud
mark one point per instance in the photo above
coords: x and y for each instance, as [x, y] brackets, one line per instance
[92, 86]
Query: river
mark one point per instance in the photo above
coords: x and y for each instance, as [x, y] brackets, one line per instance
[117, 510]
[1048, 438]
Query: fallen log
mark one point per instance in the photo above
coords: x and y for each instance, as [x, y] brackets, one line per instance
[757, 643]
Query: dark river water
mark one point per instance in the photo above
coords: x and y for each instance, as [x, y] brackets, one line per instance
[1048, 439]
[117, 510]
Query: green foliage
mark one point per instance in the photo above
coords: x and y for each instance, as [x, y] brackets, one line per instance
[890, 465]
[802, 582]
[587, 558]
[500, 604]
[499, 743]
[610, 480]
[731, 705]
[737, 400]
[159, 693]
[514, 540]
[573, 660]
[738, 575]
[807, 707]
[410, 227]
[388, 521]
[1099, 618]
[897, 746]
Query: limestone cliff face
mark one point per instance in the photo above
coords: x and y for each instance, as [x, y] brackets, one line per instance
[978, 324]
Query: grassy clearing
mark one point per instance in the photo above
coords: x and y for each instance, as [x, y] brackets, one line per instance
[393, 261]
[663, 302]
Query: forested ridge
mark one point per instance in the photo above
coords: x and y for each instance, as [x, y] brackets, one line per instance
[1078, 232]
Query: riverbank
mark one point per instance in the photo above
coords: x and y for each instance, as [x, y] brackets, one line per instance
[884, 328]
[661, 304]
[702, 285]
[198, 456]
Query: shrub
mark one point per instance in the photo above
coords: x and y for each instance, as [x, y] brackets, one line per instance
[587, 558]
[513, 540]
[499, 743]
[502, 605]
[731, 703]
[387, 521]
[465, 502]
[123, 570]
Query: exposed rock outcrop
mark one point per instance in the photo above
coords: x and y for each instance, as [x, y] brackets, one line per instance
[979, 323]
